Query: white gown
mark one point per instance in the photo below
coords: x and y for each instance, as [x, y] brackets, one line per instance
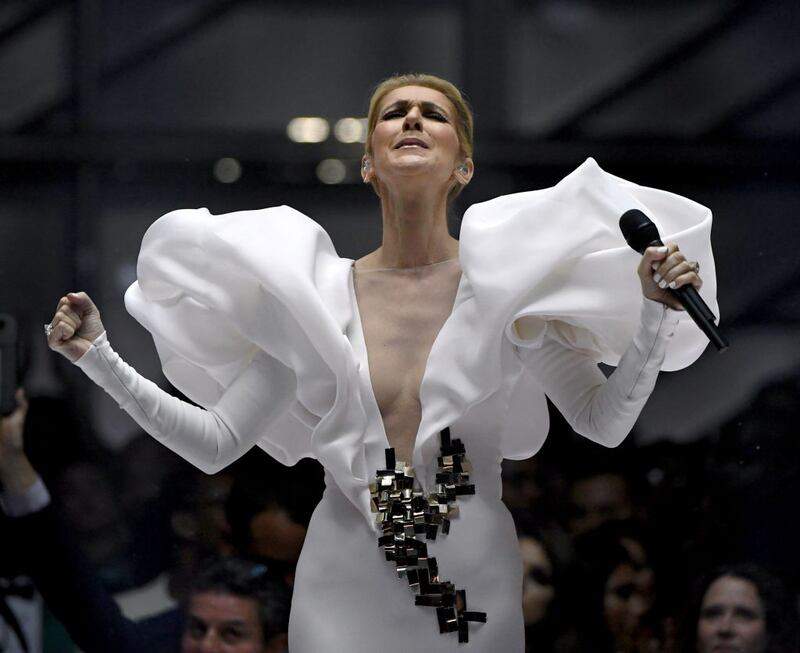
[255, 318]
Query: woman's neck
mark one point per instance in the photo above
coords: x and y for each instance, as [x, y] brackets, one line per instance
[414, 232]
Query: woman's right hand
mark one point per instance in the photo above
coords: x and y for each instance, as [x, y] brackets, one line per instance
[75, 326]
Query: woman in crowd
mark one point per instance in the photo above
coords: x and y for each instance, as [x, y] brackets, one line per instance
[435, 349]
[740, 608]
[614, 591]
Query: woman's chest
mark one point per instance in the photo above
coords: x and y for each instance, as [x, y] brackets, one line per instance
[401, 313]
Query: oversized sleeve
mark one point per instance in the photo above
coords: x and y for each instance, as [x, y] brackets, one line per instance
[241, 302]
[564, 258]
[249, 313]
[556, 258]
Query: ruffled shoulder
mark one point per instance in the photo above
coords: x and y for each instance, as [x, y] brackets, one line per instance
[558, 254]
[216, 289]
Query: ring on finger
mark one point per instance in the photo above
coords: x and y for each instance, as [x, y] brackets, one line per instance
[695, 266]
[48, 329]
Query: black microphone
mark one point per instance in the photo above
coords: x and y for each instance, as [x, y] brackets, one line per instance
[640, 233]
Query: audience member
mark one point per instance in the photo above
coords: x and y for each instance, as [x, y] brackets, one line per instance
[145, 472]
[269, 508]
[235, 607]
[88, 501]
[596, 497]
[542, 602]
[740, 608]
[613, 591]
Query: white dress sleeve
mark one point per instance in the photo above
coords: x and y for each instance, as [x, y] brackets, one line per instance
[208, 438]
[599, 408]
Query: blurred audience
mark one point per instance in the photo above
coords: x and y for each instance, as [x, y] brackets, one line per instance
[542, 595]
[88, 501]
[269, 508]
[232, 606]
[613, 591]
[538, 591]
[597, 498]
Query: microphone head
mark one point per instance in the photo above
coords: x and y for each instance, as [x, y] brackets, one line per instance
[639, 230]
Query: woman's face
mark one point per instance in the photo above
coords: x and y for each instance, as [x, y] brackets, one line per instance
[731, 618]
[628, 599]
[415, 135]
[537, 580]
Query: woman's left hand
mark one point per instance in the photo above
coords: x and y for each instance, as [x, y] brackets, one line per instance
[663, 269]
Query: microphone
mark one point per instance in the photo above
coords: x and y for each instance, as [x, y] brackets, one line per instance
[640, 233]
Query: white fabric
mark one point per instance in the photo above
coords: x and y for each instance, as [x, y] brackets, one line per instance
[255, 318]
[603, 410]
[29, 614]
[216, 436]
[147, 600]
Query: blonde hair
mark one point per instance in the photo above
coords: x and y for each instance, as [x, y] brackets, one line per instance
[464, 119]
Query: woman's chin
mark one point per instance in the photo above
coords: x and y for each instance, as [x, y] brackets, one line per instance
[417, 167]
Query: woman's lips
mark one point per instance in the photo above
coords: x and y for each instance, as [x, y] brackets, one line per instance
[410, 142]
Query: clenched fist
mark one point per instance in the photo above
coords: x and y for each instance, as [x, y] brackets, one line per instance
[75, 326]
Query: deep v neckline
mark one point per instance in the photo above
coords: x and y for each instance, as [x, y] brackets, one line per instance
[370, 376]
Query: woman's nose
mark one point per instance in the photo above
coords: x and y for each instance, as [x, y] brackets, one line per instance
[413, 119]
[210, 644]
[725, 626]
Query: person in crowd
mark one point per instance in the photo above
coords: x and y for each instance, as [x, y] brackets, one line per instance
[146, 473]
[743, 608]
[543, 608]
[613, 591]
[438, 349]
[234, 605]
[269, 508]
[89, 502]
[599, 497]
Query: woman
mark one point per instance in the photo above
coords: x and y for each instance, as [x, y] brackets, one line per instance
[543, 605]
[428, 345]
[614, 591]
[740, 608]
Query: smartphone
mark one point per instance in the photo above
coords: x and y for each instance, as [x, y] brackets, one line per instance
[8, 364]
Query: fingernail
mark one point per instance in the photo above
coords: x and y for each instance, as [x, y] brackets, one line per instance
[657, 277]
[673, 285]
[662, 250]
[655, 266]
[662, 284]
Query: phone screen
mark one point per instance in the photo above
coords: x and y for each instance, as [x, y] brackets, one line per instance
[8, 363]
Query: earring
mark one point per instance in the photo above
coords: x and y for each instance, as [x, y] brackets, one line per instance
[365, 166]
[463, 169]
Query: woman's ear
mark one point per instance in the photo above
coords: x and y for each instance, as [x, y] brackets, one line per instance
[367, 174]
[464, 171]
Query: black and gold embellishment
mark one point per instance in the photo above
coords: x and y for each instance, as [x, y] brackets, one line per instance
[405, 515]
